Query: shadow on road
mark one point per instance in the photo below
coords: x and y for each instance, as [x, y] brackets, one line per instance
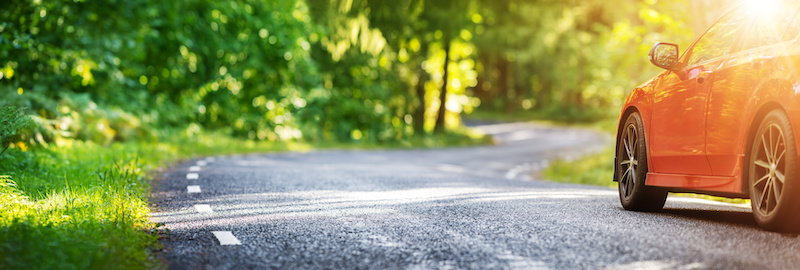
[744, 219]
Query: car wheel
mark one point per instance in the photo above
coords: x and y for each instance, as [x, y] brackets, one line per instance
[771, 174]
[632, 169]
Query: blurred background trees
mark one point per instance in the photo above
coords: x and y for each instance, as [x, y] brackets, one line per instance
[324, 70]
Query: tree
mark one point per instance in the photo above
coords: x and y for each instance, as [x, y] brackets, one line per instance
[446, 19]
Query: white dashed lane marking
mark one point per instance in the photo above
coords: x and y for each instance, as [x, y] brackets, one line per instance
[226, 238]
[191, 176]
[194, 168]
[202, 163]
[203, 208]
[193, 189]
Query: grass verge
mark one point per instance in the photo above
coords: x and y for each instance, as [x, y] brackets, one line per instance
[595, 169]
[79, 205]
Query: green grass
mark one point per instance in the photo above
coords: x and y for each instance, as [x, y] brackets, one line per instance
[594, 169]
[79, 205]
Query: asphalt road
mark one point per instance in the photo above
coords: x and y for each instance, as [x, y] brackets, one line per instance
[463, 208]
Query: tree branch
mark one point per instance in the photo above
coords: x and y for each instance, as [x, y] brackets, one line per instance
[4, 150]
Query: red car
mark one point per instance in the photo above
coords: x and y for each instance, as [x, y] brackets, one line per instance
[721, 120]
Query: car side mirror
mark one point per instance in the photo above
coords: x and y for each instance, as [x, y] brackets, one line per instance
[664, 55]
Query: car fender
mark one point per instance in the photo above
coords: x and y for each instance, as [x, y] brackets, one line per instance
[775, 94]
[642, 97]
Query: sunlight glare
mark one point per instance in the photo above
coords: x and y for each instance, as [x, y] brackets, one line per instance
[764, 7]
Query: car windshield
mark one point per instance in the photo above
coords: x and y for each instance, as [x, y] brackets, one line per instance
[719, 39]
[769, 24]
[768, 21]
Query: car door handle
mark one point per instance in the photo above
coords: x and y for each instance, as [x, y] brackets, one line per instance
[702, 78]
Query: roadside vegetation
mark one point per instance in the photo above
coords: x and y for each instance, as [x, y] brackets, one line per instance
[595, 169]
[97, 96]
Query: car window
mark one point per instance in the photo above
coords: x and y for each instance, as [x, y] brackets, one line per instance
[771, 27]
[719, 39]
[793, 30]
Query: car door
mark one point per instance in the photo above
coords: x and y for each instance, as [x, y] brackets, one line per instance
[678, 123]
[734, 83]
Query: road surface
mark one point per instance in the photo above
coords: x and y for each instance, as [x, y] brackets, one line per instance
[458, 208]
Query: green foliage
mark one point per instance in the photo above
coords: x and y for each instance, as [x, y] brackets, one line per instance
[570, 60]
[251, 69]
[409, 38]
[11, 122]
[320, 70]
[8, 188]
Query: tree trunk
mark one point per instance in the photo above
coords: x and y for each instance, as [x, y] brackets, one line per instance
[577, 100]
[543, 96]
[502, 84]
[519, 93]
[419, 112]
[516, 95]
[481, 92]
[439, 128]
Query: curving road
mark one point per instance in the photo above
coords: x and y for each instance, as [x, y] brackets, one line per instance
[462, 208]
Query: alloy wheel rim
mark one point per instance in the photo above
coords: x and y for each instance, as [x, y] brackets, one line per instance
[769, 169]
[630, 161]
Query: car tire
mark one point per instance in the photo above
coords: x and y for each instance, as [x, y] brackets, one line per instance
[632, 169]
[772, 175]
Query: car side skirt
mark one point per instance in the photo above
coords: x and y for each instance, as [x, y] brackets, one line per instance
[711, 193]
[722, 184]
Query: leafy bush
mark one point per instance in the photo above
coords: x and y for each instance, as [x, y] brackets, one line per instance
[11, 122]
